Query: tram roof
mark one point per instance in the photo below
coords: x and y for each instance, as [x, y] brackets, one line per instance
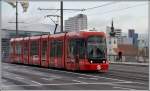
[57, 35]
[70, 34]
[35, 37]
[18, 39]
[12, 39]
[85, 33]
[44, 36]
[26, 38]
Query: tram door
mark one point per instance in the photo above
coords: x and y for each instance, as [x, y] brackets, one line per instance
[25, 52]
[11, 51]
[34, 53]
[18, 52]
[56, 54]
[44, 47]
[76, 53]
[80, 53]
[52, 54]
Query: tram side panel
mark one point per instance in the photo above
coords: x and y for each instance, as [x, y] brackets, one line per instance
[56, 51]
[52, 52]
[44, 52]
[76, 54]
[34, 58]
[12, 51]
[18, 51]
[22, 51]
[15, 52]
[26, 51]
[60, 51]
[64, 56]
[15, 56]
[70, 57]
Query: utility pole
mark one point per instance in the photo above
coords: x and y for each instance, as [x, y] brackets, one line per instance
[61, 13]
[17, 18]
[61, 16]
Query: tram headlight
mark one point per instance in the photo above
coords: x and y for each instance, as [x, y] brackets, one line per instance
[91, 61]
[104, 61]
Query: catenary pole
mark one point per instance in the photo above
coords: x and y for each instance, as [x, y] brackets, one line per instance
[17, 18]
[61, 16]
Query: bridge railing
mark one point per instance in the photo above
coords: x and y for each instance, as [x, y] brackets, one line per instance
[128, 58]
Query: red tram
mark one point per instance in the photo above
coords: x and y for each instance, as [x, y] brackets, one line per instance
[72, 51]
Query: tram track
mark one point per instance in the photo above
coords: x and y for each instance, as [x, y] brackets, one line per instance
[32, 77]
[125, 74]
[128, 75]
[121, 75]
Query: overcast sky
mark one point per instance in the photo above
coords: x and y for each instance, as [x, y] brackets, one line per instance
[135, 17]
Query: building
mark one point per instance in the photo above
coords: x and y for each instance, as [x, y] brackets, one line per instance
[134, 36]
[135, 40]
[76, 23]
[111, 42]
[118, 35]
[145, 38]
[127, 50]
[126, 40]
[143, 45]
[131, 33]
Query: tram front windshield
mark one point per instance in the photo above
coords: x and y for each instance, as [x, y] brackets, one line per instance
[96, 47]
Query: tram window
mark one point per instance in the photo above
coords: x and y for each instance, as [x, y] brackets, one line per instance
[56, 48]
[59, 45]
[76, 46]
[81, 48]
[72, 48]
[44, 48]
[25, 48]
[34, 48]
[52, 51]
[11, 48]
[96, 46]
[18, 49]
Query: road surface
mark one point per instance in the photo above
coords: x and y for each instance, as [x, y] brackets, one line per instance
[23, 77]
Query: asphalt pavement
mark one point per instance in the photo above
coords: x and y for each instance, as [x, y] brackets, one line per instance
[23, 77]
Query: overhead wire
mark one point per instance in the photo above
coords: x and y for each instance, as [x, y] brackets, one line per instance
[99, 6]
[91, 8]
[33, 22]
[106, 4]
[116, 10]
[83, 10]
[103, 5]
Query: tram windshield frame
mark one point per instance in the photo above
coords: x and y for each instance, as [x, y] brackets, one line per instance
[96, 47]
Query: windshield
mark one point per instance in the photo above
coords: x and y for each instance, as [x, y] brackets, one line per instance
[96, 47]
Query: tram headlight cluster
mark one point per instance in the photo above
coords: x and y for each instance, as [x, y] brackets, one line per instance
[104, 61]
[91, 61]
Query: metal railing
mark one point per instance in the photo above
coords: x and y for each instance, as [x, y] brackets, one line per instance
[128, 58]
